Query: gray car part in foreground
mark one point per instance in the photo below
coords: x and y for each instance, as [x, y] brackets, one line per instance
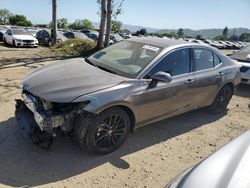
[59, 93]
[227, 168]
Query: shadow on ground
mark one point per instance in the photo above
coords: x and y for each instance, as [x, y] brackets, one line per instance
[243, 91]
[27, 62]
[24, 164]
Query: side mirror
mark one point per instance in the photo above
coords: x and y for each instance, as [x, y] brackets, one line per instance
[160, 76]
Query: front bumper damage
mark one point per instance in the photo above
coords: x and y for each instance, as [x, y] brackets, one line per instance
[42, 126]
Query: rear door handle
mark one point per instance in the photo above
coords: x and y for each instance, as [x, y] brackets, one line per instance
[189, 81]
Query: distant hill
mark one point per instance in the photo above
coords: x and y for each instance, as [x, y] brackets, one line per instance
[132, 28]
[208, 32]
[204, 32]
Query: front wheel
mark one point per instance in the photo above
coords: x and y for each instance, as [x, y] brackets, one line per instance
[108, 131]
[14, 43]
[222, 99]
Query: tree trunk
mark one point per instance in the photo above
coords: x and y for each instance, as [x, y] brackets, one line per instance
[54, 20]
[102, 24]
[109, 20]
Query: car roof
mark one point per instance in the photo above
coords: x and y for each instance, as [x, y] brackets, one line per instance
[159, 42]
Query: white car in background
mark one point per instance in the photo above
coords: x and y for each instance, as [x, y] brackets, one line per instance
[243, 58]
[19, 37]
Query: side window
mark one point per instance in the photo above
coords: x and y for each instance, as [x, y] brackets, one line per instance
[203, 59]
[217, 60]
[175, 63]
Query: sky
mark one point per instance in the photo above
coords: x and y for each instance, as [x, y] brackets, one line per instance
[160, 14]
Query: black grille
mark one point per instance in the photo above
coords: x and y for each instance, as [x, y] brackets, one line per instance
[28, 41]
[244, 69]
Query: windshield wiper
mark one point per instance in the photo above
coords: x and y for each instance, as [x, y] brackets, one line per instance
[105, 69]
[100, 67]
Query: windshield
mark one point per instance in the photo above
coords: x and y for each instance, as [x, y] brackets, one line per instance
[19, 32]
[80, 35]
[126, 58]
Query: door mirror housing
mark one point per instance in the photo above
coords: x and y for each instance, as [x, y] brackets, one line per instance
[160, 76]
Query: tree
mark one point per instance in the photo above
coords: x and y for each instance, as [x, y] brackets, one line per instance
[109, 22]
[82, 24]
[180, 32]
[199, 37]
[116, 26]
[19, 20]
[245, 37]
[54, 21]
[102, 23]
[143, 31]
[4, 16]
[225, 32]
[109, 9]
[62, 23]
[234, 37]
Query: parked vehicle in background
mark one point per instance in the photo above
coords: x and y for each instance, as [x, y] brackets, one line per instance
[18, 37]
[227, 45]
[213, 43]
[3, 30]
[243, 58]
[228, 168]
[132, 83]
[115, 37]
[31, 31]
[72, 34]
[44, 37]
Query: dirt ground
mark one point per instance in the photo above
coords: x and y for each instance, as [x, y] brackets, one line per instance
[150, 157]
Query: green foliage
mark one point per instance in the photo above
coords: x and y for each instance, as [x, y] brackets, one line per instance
[4, 16]
[62, 23]
[234, 38]
[142, 31]
[220, 37]
[245, 37]
[180, 32]
[75, 47]
[225, 32]
[82, 24]
[116, 26]
[19, 20]
[199, 37]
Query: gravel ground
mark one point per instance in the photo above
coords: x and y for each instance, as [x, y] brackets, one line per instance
[150, 157]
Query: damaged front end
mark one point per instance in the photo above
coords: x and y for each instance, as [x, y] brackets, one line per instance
[44, 120]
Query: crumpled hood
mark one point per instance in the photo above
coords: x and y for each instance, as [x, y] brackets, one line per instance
[66, 80]
[24, 37]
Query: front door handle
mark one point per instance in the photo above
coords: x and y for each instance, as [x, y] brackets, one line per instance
[220, 74]
[189, 81]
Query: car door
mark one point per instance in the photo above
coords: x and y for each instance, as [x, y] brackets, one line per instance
[168, 99]
[8, 36]
[208, 75]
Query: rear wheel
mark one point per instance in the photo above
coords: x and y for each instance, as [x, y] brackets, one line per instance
[222, 99]
[108, 131]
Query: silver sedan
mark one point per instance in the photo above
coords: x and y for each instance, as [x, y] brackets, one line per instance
[127, 85]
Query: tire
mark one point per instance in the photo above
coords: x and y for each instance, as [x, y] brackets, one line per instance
[13, 43]
[222, 100]
[5, 42]
[106, 132]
